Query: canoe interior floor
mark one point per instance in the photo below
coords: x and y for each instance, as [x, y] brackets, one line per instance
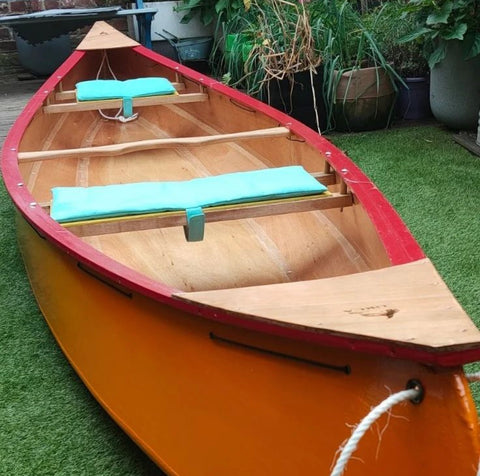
[238, 253]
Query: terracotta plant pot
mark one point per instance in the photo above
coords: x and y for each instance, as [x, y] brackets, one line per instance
[364, 100]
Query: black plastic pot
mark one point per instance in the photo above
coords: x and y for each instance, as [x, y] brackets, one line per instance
[42, 59]
[414, 103]
[455, 89]
[296, 98]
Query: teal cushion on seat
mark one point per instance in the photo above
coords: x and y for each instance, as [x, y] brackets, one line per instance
[98, 89]
[84, 203]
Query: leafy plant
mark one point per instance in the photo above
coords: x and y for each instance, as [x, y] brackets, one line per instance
[349, 45]
[407, 58]
[441, 21]
[275, 40]
[209, 10]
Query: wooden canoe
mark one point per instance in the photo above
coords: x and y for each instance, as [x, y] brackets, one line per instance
[256, 349]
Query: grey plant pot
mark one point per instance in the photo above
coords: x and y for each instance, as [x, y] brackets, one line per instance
[455, 89]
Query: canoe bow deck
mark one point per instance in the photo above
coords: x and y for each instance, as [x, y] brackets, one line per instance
[250, 351]
[398, 315]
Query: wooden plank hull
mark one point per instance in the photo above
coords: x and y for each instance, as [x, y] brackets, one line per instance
[201, 397]
[195, 349]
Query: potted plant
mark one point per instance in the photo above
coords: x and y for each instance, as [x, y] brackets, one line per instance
[276, 58]
[450, 30]
[359, 82]
[209, 11]
[413, 99]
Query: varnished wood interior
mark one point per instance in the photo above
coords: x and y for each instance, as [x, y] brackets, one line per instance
[238, 252]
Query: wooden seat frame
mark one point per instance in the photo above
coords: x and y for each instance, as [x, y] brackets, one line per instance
[218, 213]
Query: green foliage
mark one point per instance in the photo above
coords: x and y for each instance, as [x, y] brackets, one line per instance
[209, 10]
[441, 21]
[273, 40]
[348, 45]
[388, 26]
[286, 37]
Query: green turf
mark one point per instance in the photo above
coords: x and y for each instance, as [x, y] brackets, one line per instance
[49, 423]
[434, 184]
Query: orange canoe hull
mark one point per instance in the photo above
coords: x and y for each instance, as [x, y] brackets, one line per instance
[201, 397]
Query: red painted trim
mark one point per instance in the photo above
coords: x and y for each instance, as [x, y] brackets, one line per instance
[391, 349]
[47, 227]
[398, 241]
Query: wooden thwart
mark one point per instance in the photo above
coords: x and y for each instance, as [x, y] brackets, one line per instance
[127, 147]
[218, 213]
[118, 103]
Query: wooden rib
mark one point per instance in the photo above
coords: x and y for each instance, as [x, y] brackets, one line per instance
[117, 103]
[72, 94]
[127, 147]
[220, 213]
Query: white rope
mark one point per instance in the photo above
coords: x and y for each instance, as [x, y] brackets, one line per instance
[118, 116]
[105, 60]
[352, 443]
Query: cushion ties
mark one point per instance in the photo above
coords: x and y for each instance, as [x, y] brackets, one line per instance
[195, 228]
[127, 107]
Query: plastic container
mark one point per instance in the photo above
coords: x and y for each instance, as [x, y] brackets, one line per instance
[44, 58]
[189, 49]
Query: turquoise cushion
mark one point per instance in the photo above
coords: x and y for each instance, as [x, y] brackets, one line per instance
[83, 203]
[113, 89]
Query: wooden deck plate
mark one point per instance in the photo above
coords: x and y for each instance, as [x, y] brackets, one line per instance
[407, 304]
[102, 37]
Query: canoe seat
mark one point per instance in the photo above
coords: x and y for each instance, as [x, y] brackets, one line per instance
[74, 204]
[70, 94]
[114, 94]
[98, 89]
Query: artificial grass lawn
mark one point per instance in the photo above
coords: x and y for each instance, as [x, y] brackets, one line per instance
[49, 422]
[434, 184]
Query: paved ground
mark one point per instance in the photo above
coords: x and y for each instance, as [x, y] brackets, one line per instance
[14, 94]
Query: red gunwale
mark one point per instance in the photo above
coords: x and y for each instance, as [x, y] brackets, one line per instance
[399, 243]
